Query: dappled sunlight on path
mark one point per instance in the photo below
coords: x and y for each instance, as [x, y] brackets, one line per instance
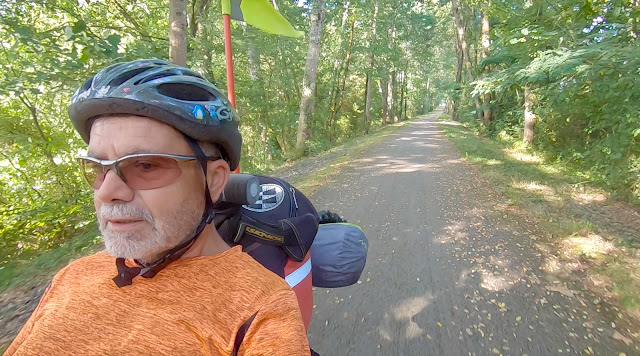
[448, 272]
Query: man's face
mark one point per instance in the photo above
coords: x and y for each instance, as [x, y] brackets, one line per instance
[142, 224]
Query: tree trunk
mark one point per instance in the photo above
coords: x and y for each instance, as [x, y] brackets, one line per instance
[335, 77]
[383, 88]
[391, 117]
[258, 90]
[254, 57]
[427, 98]
[529, 116]
[486, 42]
[340, 98]
[367, 104]
[178, 32]
[403, 86]
[460, 62]
[462, 37]
[455, 98]
[196, 12]
[389, 97]
[367, 95]
[309, 80]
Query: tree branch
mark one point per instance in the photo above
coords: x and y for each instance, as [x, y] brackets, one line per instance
[34, 116]
[127, 16]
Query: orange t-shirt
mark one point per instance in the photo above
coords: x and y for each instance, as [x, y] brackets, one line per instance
[194, 306]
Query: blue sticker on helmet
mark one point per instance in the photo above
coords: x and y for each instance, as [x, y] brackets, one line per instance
[198, 112]
[212, 110]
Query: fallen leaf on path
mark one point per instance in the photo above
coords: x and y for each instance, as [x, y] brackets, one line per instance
[560, 289]
[620, 337]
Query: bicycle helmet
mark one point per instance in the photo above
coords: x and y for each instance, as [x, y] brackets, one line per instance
[175, 95]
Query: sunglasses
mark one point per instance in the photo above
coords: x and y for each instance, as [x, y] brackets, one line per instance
[139, 171]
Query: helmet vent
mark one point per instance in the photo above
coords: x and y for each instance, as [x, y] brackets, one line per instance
[154, 77]
[127, 75]
[187, 92]
[86, 85]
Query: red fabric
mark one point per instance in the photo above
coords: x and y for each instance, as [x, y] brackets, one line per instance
[303, 290]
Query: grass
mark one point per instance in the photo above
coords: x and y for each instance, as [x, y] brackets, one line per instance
[557, 200]
[41, 267]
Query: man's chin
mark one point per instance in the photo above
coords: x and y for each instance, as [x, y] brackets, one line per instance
[129, 248]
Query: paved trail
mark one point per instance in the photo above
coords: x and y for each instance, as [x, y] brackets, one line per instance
[447, 274]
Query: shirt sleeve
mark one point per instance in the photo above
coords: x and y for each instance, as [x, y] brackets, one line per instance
[277, 329]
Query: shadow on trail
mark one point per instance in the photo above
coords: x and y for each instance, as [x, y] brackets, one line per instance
[446, 273]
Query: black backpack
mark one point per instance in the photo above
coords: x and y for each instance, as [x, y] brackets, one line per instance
[282, 224]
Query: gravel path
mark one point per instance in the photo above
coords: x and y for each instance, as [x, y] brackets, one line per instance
[448, 273]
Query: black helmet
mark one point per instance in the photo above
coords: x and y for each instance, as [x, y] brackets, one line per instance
[175, 95]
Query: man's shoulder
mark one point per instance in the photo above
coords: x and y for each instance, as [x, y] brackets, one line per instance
[244, 272]
[258, 272]
[97, 259]
[91, 264]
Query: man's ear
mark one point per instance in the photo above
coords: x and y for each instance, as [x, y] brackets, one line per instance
[217, 177]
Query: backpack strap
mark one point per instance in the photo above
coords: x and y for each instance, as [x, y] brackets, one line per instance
[241, 333]
[294, 235]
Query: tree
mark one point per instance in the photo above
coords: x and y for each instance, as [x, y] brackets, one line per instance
[464, 47]
[529, 116]
[372, 63]
[309, 80]
[486, 43]
[178, 32]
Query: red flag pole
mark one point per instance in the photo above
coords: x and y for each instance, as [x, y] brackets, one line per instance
[228, 50]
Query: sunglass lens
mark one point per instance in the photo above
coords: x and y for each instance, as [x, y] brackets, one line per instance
[93, 173]
[149, 172]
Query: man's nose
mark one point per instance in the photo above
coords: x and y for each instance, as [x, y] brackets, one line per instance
[113, 189]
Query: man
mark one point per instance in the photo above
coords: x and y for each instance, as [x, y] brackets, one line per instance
[161, 143]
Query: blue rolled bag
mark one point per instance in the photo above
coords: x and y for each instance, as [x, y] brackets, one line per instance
[338, 255]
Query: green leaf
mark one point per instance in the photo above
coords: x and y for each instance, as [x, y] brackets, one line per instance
[85, 55]
[114, 40]
[68, 32]
[79, 26]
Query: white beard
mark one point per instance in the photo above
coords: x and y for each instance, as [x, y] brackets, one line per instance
[166, 232]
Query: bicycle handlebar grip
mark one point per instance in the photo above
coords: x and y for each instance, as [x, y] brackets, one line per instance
[241, 189]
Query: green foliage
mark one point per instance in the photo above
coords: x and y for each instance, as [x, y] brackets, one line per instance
[49, 48]
[580, 59]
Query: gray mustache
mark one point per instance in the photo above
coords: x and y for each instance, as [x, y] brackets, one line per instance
[123, 211]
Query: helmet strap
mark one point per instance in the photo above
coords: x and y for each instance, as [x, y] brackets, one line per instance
[126, 274]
